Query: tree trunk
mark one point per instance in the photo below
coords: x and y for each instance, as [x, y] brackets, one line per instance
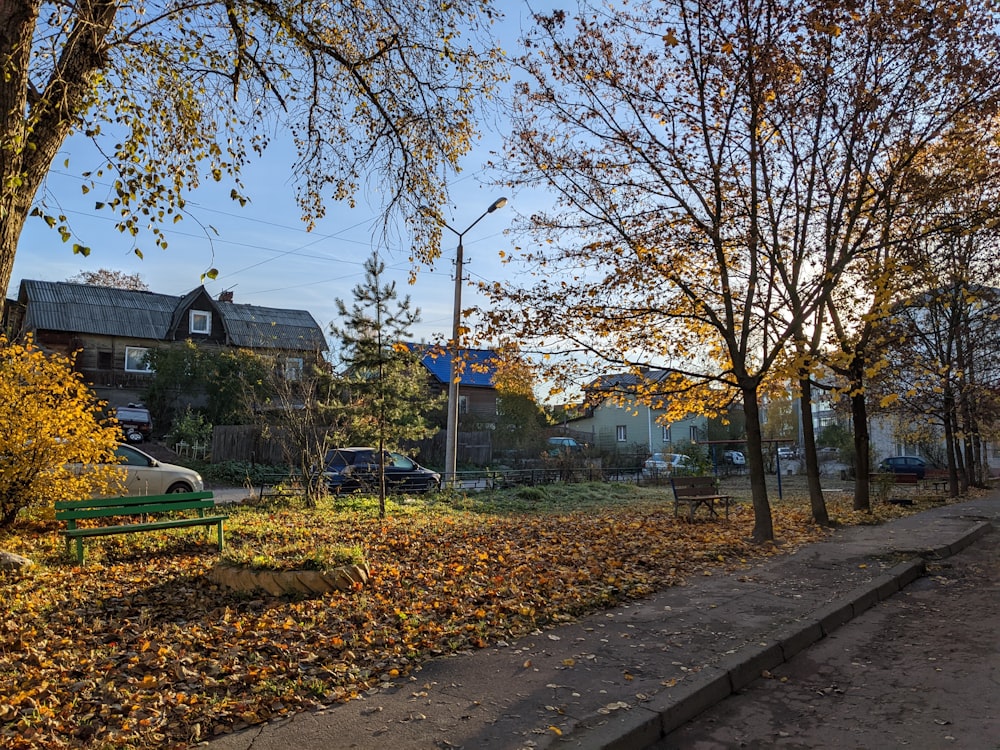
[816, 500]
[862, 440]
[763, 526]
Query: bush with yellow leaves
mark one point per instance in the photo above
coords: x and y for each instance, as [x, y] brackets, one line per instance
[54, 442]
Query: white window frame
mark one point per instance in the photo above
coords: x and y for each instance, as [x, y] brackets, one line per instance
[293, 369]
[665, 435]
[136, 359]
[200, 316]
[621, 433]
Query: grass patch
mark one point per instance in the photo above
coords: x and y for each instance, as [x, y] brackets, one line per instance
[294, 556]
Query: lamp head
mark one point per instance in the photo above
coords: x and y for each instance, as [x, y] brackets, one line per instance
[498, 203]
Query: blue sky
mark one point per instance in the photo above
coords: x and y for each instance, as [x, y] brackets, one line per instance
[262, 251]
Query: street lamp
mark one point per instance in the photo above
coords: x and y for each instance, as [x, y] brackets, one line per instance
[451, 437]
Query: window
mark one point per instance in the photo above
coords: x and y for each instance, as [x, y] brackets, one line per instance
[693, 437]
[666, 434]
[200, 321]
[137, 359]
[463, 404]
[621, 433]
[293, 368]
[105, 361]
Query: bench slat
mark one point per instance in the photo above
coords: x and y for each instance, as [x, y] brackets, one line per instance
[135, 510]
[127, 528]
[127, 501]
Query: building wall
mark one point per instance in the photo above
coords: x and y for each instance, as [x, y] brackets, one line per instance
[608, 422]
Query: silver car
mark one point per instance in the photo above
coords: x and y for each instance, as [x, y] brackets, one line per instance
[665, 464]
[145, 475]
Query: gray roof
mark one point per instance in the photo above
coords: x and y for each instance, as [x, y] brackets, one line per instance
[84, 308]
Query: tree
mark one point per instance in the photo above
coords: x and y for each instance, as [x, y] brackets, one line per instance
[302, 412]
[719, 164]
[520, 421]
[50, 425]
[387, 397]
[114, 279]
[174, 94]
[225, 385]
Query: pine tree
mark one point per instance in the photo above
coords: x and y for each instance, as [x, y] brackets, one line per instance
[386, 394]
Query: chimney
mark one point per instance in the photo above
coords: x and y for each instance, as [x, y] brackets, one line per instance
[226, 296]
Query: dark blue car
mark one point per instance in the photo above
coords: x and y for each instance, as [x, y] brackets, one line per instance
[357, 470]
[904, 465]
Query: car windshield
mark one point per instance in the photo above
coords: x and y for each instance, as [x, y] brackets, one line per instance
[132, 415]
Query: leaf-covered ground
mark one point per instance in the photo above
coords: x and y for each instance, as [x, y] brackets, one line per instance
[139, 649]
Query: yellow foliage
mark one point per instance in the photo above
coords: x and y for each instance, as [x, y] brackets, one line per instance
[50, 425]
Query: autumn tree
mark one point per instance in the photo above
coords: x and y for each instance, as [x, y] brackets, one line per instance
[111, 278]
[719, 165]
[942, 336]
[373, 95]
[385, 391]
[50, 426]
[520, 422]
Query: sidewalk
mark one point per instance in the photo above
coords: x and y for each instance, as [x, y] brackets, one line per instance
[625, 677]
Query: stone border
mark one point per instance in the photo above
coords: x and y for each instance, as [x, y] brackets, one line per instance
[296, 582]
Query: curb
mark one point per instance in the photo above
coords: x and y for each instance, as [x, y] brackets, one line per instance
[650, 722]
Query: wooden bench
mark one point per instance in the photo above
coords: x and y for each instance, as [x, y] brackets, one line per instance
[698, 492]
[140, 508]
[885, 482]
[280, 485]
[939, 479]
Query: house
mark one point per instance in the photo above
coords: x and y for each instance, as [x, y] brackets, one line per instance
[618, 422]
[112, 330]
[477, 394]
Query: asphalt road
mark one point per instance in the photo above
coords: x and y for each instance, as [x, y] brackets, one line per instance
[921, 670]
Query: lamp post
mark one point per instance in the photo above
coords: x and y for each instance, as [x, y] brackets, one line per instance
[451, 437]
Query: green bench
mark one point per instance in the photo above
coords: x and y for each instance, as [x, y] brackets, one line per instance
[139, 508]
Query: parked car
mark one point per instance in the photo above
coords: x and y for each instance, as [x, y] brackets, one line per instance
[136, 422]
[357, 469]
[736, 458]
[559, 445]
[145, 475]
[665, 464]
[904, 465]
[786, 452]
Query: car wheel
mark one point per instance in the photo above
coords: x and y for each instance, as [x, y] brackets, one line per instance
[134, 437]
[177, 487]
[432, 486]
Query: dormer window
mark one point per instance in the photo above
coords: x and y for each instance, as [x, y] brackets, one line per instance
[200, 322]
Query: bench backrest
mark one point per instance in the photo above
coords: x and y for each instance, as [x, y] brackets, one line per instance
[693, 486]
[100, 507]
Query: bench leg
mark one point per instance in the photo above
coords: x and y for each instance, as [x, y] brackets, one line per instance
[79, 550]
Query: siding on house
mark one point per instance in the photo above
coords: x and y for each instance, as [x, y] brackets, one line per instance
[477, 371]
[102, 326]
[618, 422]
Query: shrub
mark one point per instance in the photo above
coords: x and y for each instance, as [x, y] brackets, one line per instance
[191, 428]
[50, 429]
[240, 473]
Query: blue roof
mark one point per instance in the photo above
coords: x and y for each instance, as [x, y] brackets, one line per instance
[477, 367]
